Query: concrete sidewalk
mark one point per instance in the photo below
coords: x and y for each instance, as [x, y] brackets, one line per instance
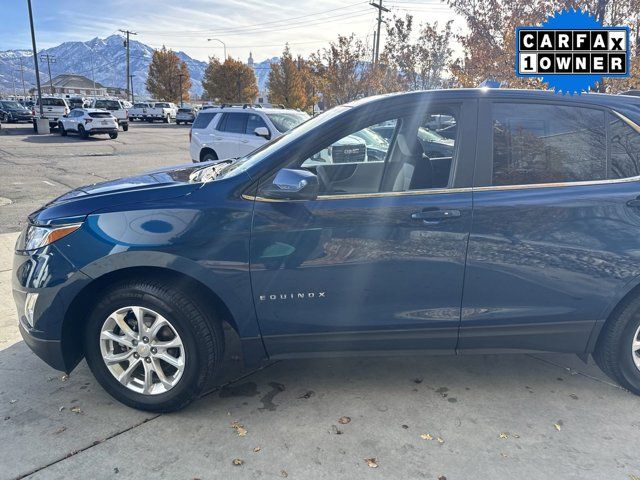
[498, 417]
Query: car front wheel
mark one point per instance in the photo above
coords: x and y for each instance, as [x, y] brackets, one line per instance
[151, 346]
[113, 135]
[62, 130]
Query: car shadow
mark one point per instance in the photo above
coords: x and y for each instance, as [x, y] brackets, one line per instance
[57, 138]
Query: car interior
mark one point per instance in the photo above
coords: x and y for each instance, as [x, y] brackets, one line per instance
[406, 166]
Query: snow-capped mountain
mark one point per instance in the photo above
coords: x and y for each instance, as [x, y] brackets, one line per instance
[104, 57]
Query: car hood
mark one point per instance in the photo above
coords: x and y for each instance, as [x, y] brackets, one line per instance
[148, 187]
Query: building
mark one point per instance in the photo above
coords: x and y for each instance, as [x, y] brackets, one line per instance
[70, 85]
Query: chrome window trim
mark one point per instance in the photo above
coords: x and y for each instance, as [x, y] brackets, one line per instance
[490, 188]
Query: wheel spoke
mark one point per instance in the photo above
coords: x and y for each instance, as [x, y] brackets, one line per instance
[126, 375]
[173, 343]
[124, 327]
[121, 339]
[157, 325]
[173, 361]
[148, 377]
[117, 357]
[636, 345]
[139, 314]
[157, 367]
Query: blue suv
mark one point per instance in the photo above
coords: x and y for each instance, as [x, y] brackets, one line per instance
[523, 236]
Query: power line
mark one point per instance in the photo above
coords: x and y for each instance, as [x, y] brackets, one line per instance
[380, 9]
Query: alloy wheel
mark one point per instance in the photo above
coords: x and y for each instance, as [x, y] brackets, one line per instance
[142, 350]
[635, 348]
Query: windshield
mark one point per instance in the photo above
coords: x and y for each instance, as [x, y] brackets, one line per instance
[12, 105]
[53, 102]
[285, 121]
[141, 105]
[107, 104]
[282, 141]
[371, 139]
[431, 136]
[163, 105]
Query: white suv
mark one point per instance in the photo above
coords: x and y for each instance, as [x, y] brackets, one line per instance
[228, 132]
[88, 121]
[118, 109]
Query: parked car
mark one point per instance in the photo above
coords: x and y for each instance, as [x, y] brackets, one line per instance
[77, 102]
[186, 115]
[14, 112]
[536, 219]
[164, 111]
[139, 111]
[233, 131]
[53, 109]
[87, 122]
[116, 107]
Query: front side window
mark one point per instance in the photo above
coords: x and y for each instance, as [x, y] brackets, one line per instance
[542, 143]
[285, 121]
[254, 121]
[624, 148]
[364, 161]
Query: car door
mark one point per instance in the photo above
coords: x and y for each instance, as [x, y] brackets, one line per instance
[71, 122]
[376, 262]
[555, 225]
[230, 131]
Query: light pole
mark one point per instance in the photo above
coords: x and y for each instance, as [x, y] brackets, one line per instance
[133, 99]
[224, 46]
[35, 58]
[181, 75]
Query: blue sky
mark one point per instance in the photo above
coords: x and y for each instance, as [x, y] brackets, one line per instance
[260, 26]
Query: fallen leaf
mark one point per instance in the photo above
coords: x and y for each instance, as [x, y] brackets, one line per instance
[60, 430]
[64, 377]
[504, 435]
[239, 428]
[307, 395]
[516, 436]
[405, 426]
[76, 410]
[426, 436]
[283, 473]
[503, 455]
[238, 461]
[257, 449]
[12, 401]
[371, 462]
[417, 380]
[7, 418]
[557, 426]
[344, 420]
[440, 440]
[116, 470]
[336, 430]
[442, 477]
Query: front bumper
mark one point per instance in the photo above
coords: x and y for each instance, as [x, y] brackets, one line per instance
[57, 282]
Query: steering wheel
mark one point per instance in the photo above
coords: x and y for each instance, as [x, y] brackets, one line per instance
[324, 180]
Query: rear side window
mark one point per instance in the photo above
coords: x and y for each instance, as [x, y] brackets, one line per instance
[107, 104]
[538, 143]
[233, 122]
[624, 148]
[53, 102]
[99, 114]
[203, 119]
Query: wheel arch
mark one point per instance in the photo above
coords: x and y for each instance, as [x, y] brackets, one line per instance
[631, 291]
[206, 150]
[73, 326]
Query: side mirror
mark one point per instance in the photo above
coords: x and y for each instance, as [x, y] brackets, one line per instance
[293, 185]
[262, 132]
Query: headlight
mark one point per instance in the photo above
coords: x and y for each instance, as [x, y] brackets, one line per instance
[38, 237]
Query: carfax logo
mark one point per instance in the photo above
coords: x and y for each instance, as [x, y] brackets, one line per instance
[572, 51]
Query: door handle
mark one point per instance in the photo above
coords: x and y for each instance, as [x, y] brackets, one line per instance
[435, 216]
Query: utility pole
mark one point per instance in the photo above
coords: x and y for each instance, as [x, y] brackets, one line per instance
[180, 75]
[131, 80]
[50, 59]
[380, 10]
[373, 55]
[126, 44]
[35, 58]
[24, 90]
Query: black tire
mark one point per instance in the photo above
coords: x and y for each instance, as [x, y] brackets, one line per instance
[613, 353]
[209, 156]
[82, 132]
[202, 337]
[113, 135]
[177, 122]
[61, 129]
[125, 127]
[35, 126]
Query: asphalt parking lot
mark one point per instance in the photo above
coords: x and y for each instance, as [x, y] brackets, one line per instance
[470, 417]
